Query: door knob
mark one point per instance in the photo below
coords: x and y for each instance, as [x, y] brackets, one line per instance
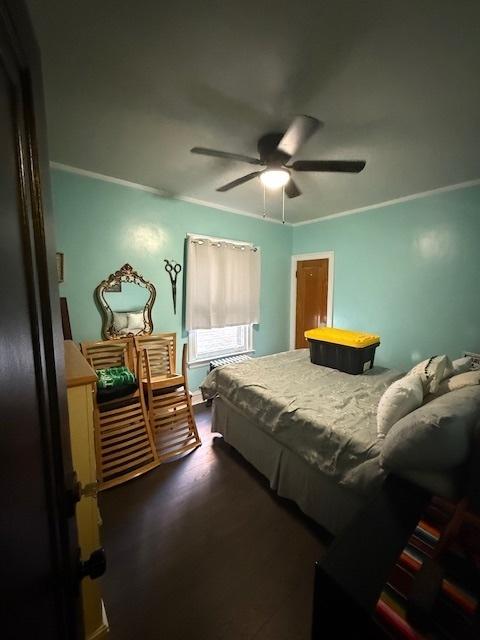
[95, 566]
[74, 494]
[77, 491]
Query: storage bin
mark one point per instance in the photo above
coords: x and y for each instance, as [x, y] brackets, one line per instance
[349, 351]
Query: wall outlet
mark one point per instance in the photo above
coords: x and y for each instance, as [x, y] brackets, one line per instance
[475, 358]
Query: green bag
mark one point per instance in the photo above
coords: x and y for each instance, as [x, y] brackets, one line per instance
[114, 377]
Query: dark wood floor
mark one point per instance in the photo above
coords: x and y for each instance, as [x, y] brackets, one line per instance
[202, 549]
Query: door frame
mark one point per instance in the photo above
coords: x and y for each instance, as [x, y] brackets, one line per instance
[321, 255]
[52, 601]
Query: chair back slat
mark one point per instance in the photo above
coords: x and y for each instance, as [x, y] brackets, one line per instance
[161, 350]
[107, 353]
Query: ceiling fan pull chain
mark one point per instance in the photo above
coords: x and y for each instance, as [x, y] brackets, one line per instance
[283, 204]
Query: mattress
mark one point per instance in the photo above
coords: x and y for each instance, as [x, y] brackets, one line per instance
[326, 417]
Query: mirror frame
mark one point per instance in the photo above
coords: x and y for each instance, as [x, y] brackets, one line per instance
[124, 274]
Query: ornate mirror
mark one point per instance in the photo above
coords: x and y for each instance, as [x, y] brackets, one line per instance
[125, 300]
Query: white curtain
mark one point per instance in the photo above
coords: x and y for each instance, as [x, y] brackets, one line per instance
[223, 283]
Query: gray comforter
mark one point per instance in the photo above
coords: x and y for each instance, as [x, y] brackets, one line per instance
[327, 417]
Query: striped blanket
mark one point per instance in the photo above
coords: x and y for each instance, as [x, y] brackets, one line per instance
[456, 612]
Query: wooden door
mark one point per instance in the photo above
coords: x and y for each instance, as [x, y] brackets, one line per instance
[312, 298]
[39, 564]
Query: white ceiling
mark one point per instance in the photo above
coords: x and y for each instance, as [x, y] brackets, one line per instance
[132, 86]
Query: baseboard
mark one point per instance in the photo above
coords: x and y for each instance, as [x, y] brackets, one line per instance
[197, 398]
[100, 633]
[103, 630]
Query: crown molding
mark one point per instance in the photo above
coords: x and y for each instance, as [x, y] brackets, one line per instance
[388, 203]
[203, 203]
[160, 192]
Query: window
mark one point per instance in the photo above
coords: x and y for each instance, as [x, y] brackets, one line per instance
[207, 344]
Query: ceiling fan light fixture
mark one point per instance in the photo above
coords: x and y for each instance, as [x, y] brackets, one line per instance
[275, 151]
[274, 178]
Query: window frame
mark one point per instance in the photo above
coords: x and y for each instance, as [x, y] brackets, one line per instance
[199, 361]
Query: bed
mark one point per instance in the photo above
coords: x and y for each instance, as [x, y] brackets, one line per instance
[310, 430]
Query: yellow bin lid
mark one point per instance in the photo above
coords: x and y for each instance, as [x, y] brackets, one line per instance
[343, 336]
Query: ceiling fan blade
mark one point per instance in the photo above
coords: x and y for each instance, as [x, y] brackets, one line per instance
[291, 189]
[238, 181]
[300, 130]
[343, 166]
[225, 154]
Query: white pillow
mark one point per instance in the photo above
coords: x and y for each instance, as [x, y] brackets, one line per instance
[435, 437]
[120, 320]
[467, 379]
[135, 320]
[462, 365]
[401, 397]
[432, 372]
[458, 366]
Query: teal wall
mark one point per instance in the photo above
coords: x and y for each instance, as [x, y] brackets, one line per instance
[409, 271]
[101, 225]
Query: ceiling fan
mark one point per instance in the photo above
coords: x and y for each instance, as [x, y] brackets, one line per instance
[276, 150]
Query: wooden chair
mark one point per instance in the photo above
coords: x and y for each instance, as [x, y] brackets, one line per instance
[162, 358]
[124, 444]
[170, 411]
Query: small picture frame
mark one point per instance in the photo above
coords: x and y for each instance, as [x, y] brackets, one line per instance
[116, 287]
[60, 267]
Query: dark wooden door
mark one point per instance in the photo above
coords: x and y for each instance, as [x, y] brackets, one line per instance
[38, 542]
[312, 298]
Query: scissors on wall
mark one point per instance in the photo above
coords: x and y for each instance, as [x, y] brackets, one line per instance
[173, 269]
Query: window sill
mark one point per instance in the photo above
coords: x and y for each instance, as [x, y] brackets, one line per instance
[196, 364]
